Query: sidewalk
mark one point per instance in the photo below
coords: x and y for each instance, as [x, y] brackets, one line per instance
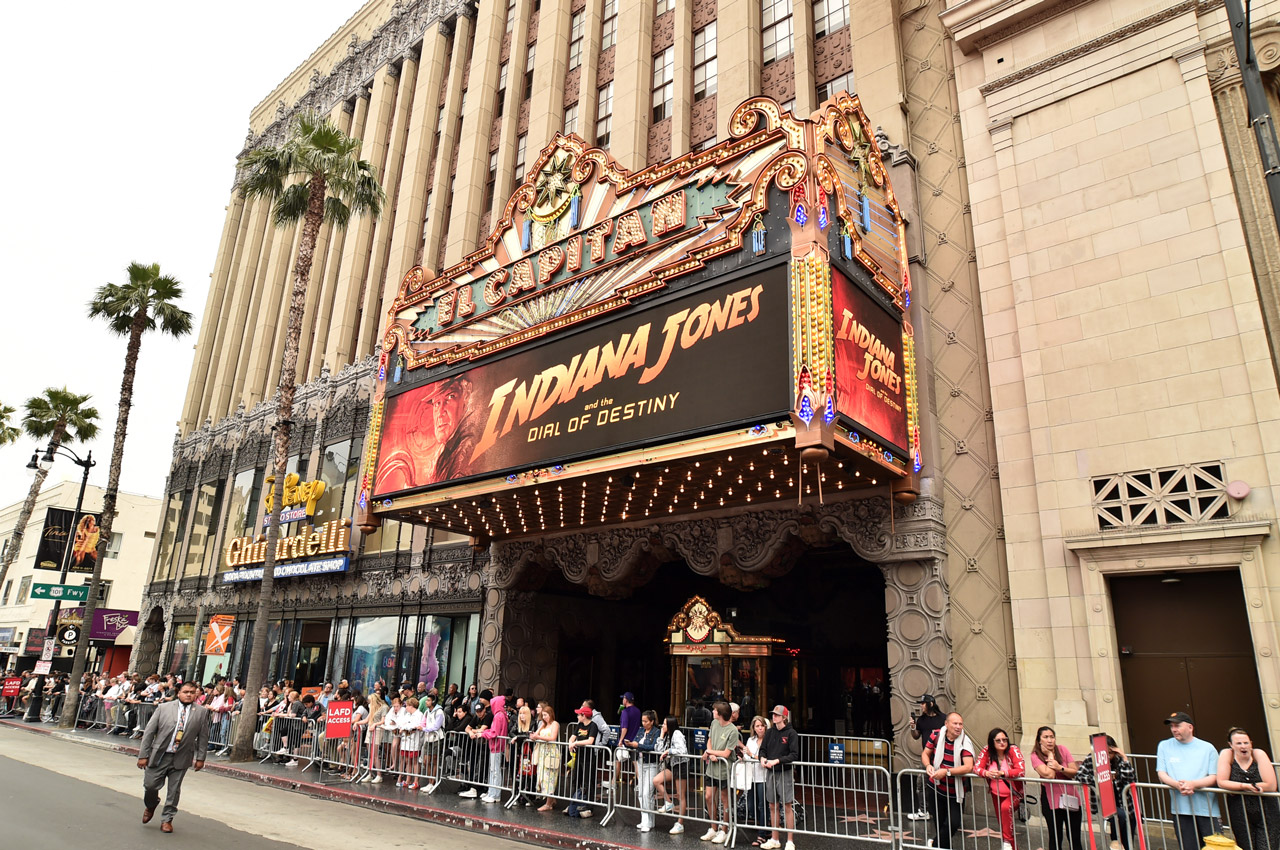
[548, 829]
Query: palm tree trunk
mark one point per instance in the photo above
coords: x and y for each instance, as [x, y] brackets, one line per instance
[71, 705]
[24, 517]
[243, 747]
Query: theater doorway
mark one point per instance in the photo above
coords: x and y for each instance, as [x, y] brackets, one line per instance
[829, 664]
[1185, 645]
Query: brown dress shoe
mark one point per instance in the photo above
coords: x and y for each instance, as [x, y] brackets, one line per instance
[166, 827]
[147, 815]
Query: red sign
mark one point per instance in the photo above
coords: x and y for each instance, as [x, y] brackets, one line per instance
[1102, 774]
[337, 719]
[12, 687]
[870, 385]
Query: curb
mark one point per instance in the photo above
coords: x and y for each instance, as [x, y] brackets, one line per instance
[417, 811]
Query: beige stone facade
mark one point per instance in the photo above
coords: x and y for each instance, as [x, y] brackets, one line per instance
[1123, 239]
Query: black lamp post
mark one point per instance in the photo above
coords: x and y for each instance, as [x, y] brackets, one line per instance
[86, 463]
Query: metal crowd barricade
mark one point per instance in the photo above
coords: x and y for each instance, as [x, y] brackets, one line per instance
[92, 712]
[142, 716]
[846, 749]
[342, 756]
[556, 773]
[836, 800]
[684, 787]
[471, 764]
[1252, 819]
[984, 821]
[295, 739]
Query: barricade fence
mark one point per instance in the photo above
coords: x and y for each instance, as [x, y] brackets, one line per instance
[1165, 819]
[686, 790]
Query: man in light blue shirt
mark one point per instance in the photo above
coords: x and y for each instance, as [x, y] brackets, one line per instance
[1187, 765]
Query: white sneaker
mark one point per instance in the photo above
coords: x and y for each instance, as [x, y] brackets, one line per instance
[918, 815]
[1005, 845]
[643, 827]
[667, 807]
[929, 843]
[291, 763]
[376, 780]
[485, 798]
[791, 845]
[677, 829]
[771, 844]
[720, 837]
[470, 794]
[710, 834]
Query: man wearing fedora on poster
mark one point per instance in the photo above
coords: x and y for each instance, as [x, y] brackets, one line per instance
[176, 736]
[1188, 765]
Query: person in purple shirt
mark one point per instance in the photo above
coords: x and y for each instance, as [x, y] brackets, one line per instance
[629, 719]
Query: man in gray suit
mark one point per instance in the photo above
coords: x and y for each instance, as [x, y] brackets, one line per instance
[177, 735]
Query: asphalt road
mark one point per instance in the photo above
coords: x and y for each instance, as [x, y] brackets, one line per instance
[59, 795]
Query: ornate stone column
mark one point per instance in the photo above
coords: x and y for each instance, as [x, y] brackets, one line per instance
[1261, 236]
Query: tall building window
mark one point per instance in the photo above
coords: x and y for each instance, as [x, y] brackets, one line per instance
[609, 24]
[511, 15]
[522, 144]
[8, 586]
[490, 182]
[704, 62]
[829, 16]
[663, 88]
[113, 548]
[24, 589]
[844, 82]
[502, 88]
[776, 33]
[104, 589]
[528, 72]
[571, 119]
[604, 115]
[661, 7]
[576, 25]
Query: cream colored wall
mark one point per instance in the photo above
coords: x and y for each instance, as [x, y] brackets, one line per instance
[136, 517]
[1122, 323]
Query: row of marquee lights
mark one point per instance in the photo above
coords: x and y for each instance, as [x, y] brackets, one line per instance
[630, 494]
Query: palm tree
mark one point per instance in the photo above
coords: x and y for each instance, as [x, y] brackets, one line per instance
[314, 177]
[59, 416]
[148, 301]
[8, 433]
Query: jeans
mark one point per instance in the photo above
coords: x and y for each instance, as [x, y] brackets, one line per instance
[757, 811]
[945, 812]
[1058, 820]
[495, 775]
[1123, 826]
[645, 774]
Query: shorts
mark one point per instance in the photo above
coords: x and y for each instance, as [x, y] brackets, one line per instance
[716, 782]
[779, 787]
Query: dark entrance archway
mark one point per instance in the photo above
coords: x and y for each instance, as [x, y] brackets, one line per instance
[828, 612]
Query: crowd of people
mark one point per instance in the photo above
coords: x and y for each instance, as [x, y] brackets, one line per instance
[1188, 765]
[408, 734]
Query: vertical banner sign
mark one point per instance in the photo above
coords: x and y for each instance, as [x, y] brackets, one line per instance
[1102, 772]
[870, 383]
[219, 634]
[337, 719]
[62, 529]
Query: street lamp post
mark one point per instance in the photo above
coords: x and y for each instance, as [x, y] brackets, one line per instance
[86, 463]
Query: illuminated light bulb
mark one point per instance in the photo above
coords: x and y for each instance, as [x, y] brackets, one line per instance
[719, 471]
[777, 494]
[722, 501]
[807, 490]
[670, 509]
[730, 491]
[759, 487]
[840, 465]
[730, 458]
[751, 467]
[748, 497]
[739, 479]
[702, 494]
[764, 452]
[873, 481]
[697, 463]
[857, 473]
[771, 475]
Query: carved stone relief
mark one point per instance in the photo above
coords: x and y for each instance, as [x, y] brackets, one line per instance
[604, 68]
[703, 14]
[832, 55]
[659, 142]
[702, 125]
[778, 81]
[664, 31]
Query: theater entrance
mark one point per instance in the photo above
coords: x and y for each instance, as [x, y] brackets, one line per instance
[825, 628]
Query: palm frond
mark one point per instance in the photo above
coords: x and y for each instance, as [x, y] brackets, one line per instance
[336, 212]
[148, 293]
[291, 205]
[9, 433]
[61, 413]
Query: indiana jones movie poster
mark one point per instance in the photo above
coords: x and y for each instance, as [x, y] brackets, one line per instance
[709, 360]
[58, 530]
[870, 386]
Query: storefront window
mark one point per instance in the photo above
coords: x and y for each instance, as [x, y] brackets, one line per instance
[463, 652]
[341, 634]
[353, 477]
[408, 652]
[373, 652]
[180, 649]
[208, 500]
[335, 460]
[243, 504]
[390, 537]
[273, 644]
[171, 537]
[436, 640]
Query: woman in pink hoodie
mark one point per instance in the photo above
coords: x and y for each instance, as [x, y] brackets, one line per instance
[496, 735]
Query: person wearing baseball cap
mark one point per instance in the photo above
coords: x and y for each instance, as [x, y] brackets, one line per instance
[628, 719]
[1188, 765]
[778, 751]
[923, 724]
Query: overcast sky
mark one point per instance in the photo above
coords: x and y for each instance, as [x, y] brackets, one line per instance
[122, 122]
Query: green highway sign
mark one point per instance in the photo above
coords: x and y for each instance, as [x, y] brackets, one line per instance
[68, 592]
